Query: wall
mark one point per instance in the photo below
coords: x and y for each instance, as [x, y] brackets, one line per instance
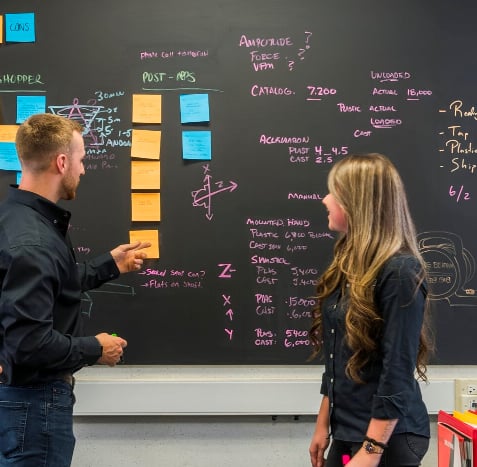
[199, 442]
[212, 440]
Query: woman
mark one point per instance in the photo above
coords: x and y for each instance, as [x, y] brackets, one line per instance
[371, 323]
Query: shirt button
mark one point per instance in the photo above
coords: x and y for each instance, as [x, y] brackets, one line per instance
[331, 355]
[333, 331]
[55, 221]
[332, 404]
[331, 380]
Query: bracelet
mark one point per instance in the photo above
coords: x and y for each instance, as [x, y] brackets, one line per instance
[376, 443]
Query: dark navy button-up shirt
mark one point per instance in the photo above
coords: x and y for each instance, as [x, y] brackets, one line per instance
[391, 390]
[40, 296]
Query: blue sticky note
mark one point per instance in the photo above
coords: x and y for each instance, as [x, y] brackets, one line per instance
[8, 157]
[194, 108]
[197, 145]
[29, 105]
[20, 27]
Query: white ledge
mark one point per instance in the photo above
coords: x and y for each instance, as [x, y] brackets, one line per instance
[224, 390]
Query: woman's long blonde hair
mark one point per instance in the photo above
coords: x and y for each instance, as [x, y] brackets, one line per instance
[372, 194]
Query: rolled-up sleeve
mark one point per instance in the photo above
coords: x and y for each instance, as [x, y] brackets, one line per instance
[324, 385]
[400, 300]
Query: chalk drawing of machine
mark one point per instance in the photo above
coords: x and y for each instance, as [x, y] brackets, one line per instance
[87, 300]
[450, 268]
[85, 115]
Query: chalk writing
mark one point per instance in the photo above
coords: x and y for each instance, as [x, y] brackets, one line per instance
[456, 108]
[298, 153]
[95, 161]
[383, 76]
[160, 77]
[282, 242]
[244, 41]
[317, 93]
[226, 271]
[385, 122]
[266, 139]
[102, 95]
[348, 108]
[459, 193]
[296, 338]
[382, 108]
[462, 164]
[23, 79]
[458, 140]
[163, 54]
[305, 196]
[165, 278]
[228, 313]
[456, 147]
[362, 133]
[268, 60]
[264, 337]
[384, 92]
[261, 58]
[257, 91]
[265, 305]
[417, 94]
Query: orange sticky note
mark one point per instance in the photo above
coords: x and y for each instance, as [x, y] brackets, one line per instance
[151, 236]
[145, 175]
[147, 108]
[1, 29]
[146, 144]
[145, 207]
[8, 133]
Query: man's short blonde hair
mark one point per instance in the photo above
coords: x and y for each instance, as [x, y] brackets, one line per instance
[42, 137]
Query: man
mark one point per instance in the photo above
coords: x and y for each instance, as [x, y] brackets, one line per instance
[41, 341]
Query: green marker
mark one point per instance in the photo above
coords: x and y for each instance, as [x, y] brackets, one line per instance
[121, 358]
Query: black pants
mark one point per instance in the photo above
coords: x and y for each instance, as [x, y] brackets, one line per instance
[404, 450]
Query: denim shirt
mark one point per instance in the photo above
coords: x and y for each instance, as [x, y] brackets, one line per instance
[40, 297]
[391, 390]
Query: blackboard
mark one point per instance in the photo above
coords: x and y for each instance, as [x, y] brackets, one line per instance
[292, 88]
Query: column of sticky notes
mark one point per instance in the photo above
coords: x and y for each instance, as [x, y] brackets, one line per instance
[17, 28]
[196, 144]
[146, 169]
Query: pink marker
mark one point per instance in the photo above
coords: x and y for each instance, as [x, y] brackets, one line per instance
[346, 458]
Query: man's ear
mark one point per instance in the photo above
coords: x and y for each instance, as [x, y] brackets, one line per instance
[61, 163]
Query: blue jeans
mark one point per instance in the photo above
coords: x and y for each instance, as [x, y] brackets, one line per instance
[36, 425]
[404, 450]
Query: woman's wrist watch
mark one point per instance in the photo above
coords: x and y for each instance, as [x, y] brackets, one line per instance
[371, 446]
